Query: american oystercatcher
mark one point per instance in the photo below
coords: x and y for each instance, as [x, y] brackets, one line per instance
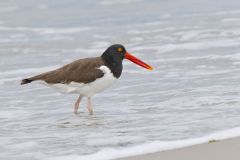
[88, 76]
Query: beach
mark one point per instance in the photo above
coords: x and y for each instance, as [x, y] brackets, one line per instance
[215, 150]
[191, 96]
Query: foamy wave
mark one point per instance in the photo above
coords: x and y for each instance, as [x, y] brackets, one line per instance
[6, 80]
[191, 46]
[8, 9]
[227, 12]
[233, 57]
[109, 2]
[28, 70]
[151, 147]
[101, 44]
[15, 75]
[46, 30]
[227, 20]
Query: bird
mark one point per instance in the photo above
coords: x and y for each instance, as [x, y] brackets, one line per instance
[88, 76]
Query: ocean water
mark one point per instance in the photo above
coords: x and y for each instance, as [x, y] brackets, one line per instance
[191, 96]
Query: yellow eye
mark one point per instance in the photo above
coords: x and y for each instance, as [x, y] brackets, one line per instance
[119, 49]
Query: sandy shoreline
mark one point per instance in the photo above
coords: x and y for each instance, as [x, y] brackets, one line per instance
[220, 150]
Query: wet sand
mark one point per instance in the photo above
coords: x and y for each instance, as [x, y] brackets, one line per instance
[217, 150]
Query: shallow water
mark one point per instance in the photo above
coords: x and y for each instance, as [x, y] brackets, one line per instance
[193, 90]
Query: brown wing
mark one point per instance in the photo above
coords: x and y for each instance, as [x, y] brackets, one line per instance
[82, 71]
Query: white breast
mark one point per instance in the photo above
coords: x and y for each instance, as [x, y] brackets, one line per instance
[88, 89]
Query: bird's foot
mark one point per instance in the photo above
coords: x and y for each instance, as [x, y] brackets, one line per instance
[89, 107]
[76, 112]
[76, 106]
[77, 103]
[90, 112]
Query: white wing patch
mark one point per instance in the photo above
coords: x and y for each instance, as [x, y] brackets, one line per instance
[88, 89]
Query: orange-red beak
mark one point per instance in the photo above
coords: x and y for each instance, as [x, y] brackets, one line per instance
[137, 61]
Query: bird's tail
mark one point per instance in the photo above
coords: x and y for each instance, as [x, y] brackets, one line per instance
[26, 81]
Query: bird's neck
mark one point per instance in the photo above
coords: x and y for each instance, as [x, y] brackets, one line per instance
[114, 64]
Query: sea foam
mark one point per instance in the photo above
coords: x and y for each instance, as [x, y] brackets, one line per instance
[151, 147]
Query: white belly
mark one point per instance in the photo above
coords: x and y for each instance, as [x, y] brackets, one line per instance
[88, 89]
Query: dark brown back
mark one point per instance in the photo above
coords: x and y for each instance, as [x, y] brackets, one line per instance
[81, 71]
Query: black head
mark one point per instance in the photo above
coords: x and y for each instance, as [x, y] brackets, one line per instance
[113, 58]
[117, 51]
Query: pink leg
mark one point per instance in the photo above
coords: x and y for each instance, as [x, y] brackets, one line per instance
[76, 106]
[89, 107]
